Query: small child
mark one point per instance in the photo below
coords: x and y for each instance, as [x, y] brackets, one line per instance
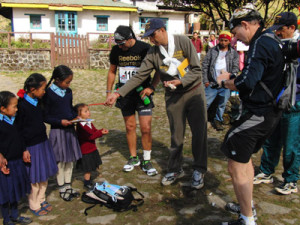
[59, 112]
[87, 133]
[14, 181]
[33, 130]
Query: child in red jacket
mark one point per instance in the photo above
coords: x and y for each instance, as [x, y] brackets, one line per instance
[87, 134]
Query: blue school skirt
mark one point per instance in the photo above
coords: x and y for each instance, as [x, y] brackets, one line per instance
[43, 164]
[65, 144]
[16, 184]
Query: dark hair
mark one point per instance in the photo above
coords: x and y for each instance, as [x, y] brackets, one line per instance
[78, 107]
[5, 97]
[124, 33]
[34, 81]
[60, 73]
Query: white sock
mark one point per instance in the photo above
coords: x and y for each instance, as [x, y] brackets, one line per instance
[248, 220]
[147, 155]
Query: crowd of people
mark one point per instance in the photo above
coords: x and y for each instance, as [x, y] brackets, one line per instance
[28, 157]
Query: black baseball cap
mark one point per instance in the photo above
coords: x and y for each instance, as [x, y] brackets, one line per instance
[153, 25]
[123, 33]
[284, 19]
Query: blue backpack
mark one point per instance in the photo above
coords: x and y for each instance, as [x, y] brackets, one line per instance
[118, 198]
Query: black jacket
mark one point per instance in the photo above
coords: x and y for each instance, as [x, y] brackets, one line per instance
[265, 62]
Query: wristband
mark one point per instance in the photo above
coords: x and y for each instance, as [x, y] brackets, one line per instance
[232, 76]
[108, 91]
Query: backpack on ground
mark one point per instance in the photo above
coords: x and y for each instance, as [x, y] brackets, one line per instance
[118, 198]
[287, 96]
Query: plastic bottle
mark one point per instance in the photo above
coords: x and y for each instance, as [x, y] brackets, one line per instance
[145, 99]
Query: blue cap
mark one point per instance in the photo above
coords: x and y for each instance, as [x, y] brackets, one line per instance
[284, 19]
[153, 25]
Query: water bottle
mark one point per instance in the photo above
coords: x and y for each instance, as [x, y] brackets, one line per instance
[145, 99]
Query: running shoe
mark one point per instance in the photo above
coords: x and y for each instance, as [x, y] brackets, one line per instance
[263, 178]
[235, 208]
[170, 178]
[239, 221]
[197, 179]
[287, 188]
[132, 162]
[148, 168]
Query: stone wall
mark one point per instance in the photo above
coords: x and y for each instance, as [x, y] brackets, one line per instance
[99, 59]
[14, 60]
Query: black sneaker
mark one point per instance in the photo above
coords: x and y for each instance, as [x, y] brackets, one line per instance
[21, 220]
[235, 208]
[197, 179]
[148, 168]
[170, 178]
[218, 125]
[89, 186]
[239, 221]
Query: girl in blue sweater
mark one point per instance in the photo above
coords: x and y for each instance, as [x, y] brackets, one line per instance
[14, 181]
[33, 130]
[59, 113]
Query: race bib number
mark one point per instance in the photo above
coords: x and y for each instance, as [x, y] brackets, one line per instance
[126, 73]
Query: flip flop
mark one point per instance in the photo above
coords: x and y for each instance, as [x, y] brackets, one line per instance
[71, 191]
[45, 205]
[39, 211]
[66, 196]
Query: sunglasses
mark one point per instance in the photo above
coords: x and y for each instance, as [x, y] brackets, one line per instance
[121, 43]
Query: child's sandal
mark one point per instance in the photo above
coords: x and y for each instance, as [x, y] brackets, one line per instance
[39, 212]
[66, 196]
[72, 192]
[45, 205]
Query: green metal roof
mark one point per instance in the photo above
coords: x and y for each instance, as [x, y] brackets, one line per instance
[110, 3]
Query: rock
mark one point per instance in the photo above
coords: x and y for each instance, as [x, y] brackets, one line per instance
[165, 218]
[101, 219]
[273, 209]
[191, 210]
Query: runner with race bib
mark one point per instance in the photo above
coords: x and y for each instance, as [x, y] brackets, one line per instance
[125, 59]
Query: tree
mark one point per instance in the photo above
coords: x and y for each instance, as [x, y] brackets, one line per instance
[223, 9]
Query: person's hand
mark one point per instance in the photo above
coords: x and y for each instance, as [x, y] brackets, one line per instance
[172, 82]
[223, 76]
[26, 156]
[206, 84]
[66, 123]
[105, 131]
[5, 170]
[3, 161]
[111, 99]
[147, 91]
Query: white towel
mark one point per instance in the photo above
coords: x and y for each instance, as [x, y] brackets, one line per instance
[173, 63]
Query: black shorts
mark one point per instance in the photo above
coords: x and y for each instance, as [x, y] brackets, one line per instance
[248, 134]
[130, 104]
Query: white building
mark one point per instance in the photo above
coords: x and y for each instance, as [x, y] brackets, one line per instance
[88, 16]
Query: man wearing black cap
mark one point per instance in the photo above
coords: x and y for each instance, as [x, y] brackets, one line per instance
[126, 56]
[287, 132]
[258, 117]
[175, 57]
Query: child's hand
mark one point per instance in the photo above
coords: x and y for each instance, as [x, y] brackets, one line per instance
[66, 123]
[105, 131]
[3, 161]
[26, 156]
[5, 170]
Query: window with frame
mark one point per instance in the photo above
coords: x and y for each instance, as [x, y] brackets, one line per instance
[144, 20]
[102, 23]
[35, 20]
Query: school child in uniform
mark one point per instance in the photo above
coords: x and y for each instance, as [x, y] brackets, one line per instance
[87, 134]
[33, 130]
[14, 181]
[59, 112]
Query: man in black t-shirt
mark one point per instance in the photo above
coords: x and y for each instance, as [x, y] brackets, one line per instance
[127, 56]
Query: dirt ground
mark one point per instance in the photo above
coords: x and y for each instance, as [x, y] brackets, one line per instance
[175, 204]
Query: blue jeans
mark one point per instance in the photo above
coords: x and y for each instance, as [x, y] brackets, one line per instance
[286, 136]
[223, 96]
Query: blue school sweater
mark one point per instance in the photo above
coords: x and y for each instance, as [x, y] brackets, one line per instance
[57, 108]
[31, 123]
